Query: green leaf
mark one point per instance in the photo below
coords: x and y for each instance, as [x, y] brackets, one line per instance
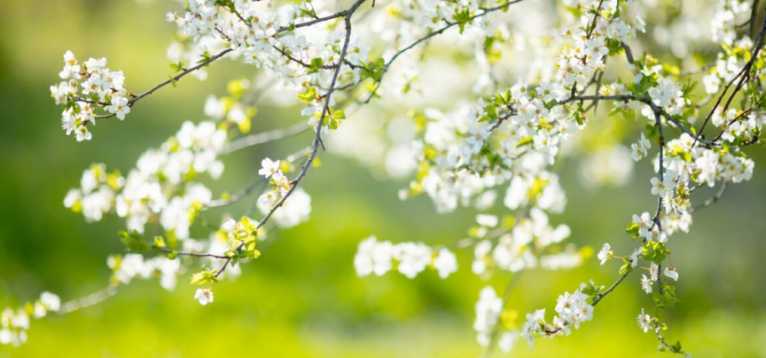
[133, 241]
[204, 277]
[654, 251]
[614, 46]
[525, 141]
[315, 65]
[625, 267]
[336, 116]
[159, 242]
[374, 69]
[308, 95]
[462, 17]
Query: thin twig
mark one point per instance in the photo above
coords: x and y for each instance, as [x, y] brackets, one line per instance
[264, 137]
[87, 301]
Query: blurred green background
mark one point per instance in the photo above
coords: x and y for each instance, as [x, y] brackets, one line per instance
[302, 298]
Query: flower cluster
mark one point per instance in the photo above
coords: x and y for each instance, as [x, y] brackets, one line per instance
[161, 187]
[488, 309]
[378, 257]
[85, 89]
[649, 280]
[493, 320]
[729, 14]
[572, 309]
[293, 211]
[737, 126]
[234, 242]
[127, 267]
[591, 40]
[95, 197]
[258, 34]
[521, 244]
[272, 170]
[290, 206]
[14, 323]
[242, 233]
[667, 94]
[640, 149]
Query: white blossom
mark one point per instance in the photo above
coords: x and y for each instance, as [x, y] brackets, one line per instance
[644, 321]
[646, 284]
[640, 149]
[671, 273]
[445, 263]
[488, 309]
[373, 257]
[204, 296]
[667, 95]
[605, 253]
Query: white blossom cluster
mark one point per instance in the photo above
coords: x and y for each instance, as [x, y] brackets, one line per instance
[225, 242]
[686, 167]
[161, 187]
[489, 318]
[86, 88]
[572, 309]
[409, 258]
[261, 33]
[293, 209]
[231, 109]
[738, 126]
[164, 190]
[646, 322]
[589, 41]
[96, 194]
[234, 233]
[729, 14]
[730, 61]
[127, 267]
[667, 94]
[525, 246]
[653, 276]
[488, 309]
[14, 323]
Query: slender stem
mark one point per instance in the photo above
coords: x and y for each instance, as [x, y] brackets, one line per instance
[264, 137]
[87, 301]
[179, 76]
[600, 296]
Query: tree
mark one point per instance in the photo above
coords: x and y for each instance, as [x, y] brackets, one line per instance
[510, 131]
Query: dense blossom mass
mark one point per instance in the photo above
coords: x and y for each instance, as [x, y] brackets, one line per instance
[544, 76]
[86, 88]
